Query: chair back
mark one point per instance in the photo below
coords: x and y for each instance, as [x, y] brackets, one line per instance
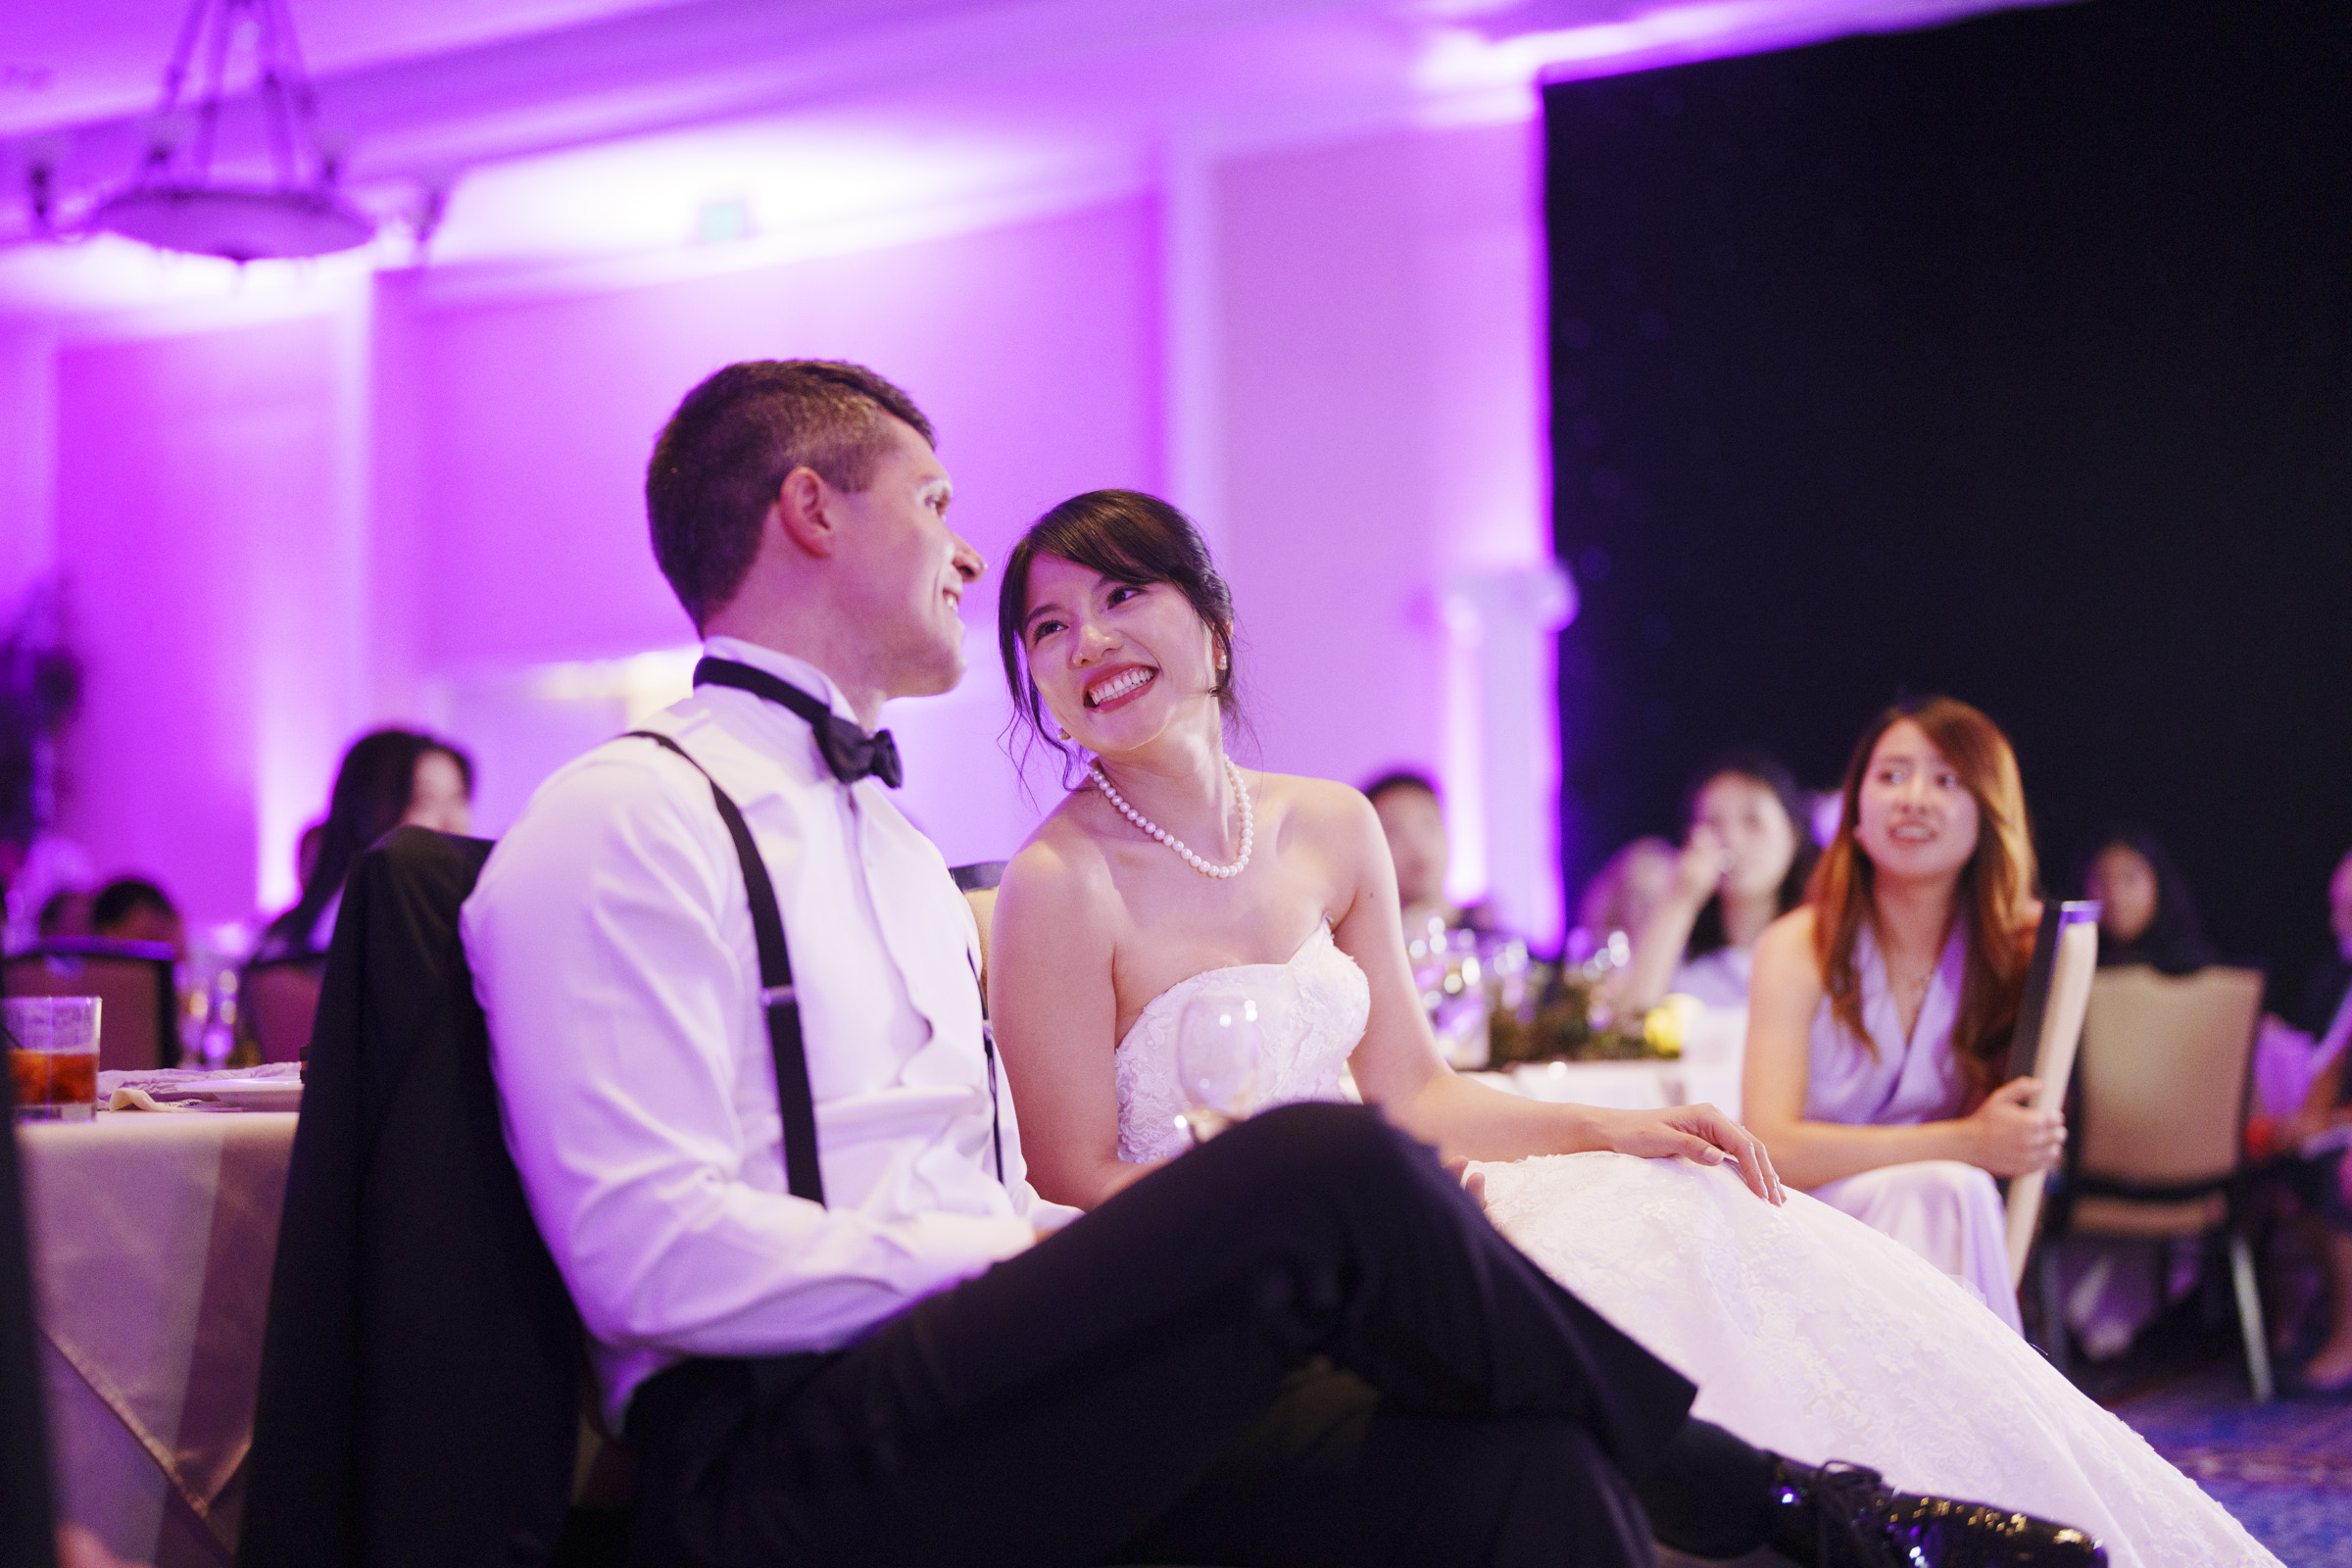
[138, 1004]
[278, 1003]
[2049, 1018]
[979, 882]
[2163, 1075]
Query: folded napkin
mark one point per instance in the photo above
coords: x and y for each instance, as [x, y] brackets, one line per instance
[135, 1091]
[126, 1097]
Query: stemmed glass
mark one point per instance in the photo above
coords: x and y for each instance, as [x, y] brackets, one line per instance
[1219, 1058]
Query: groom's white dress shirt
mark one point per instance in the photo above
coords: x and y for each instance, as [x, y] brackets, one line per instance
[611, 942]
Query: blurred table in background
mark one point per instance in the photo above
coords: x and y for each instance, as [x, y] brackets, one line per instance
[153, 1237]
[1707, 1071]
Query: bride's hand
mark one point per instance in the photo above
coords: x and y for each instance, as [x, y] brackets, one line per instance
[1474, 1181]
[1696, 1132]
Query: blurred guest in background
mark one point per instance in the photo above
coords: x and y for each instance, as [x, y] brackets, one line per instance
[2115, 1286]
[45, 867]
[132, 908]
[1414, 822]
[64, 914]
[389, 778]
[2324, 1008]
[2146, 916]
[1622, 896]
[1881, 1012]
[1742, 866]
[306, 853]
[2322, 1179]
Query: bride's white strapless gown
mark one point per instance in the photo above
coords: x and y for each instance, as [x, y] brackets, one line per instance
[1807, 1332]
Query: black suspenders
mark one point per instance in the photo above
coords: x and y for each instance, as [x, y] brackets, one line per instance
[776, 998]
[988, 1050]
[783, 1009]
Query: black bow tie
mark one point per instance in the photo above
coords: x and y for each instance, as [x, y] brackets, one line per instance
[850, 752]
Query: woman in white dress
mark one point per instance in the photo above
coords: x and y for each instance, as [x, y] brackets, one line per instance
[1170, 870]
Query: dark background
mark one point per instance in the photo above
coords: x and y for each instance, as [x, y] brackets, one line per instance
[2011, 360]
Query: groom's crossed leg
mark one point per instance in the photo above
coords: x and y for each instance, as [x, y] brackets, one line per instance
[1151, 1380]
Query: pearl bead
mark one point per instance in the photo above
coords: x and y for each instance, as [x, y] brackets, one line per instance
[1153, 830]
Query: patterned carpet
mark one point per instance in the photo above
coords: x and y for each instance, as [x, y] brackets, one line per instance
[2284, 1469]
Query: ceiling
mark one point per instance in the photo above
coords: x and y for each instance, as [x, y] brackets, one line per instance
[584, 117]
[64, 64]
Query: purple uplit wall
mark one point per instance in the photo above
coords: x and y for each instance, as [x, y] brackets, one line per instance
[1032, 349]
[28, 458]
[1385, 463]
[411, 499]
[195, 517]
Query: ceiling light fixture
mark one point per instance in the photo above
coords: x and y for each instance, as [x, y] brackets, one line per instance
[181, 207]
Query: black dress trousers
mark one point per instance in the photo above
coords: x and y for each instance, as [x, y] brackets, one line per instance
[1299, 1345]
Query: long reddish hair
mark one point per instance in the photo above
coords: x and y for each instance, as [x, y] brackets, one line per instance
[1994, 898]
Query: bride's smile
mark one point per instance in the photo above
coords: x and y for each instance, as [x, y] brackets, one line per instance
[1111, 690]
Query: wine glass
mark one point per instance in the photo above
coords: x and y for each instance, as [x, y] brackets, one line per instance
[1218, 1054]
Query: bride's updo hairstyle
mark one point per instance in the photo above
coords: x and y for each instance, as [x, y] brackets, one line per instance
[1995, 888]
[1128, 537]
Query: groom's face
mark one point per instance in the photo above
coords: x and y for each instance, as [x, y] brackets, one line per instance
[907, 569]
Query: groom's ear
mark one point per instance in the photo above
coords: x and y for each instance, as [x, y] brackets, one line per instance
[803, 510]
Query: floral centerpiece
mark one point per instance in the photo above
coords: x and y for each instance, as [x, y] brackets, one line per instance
[1574, 1021]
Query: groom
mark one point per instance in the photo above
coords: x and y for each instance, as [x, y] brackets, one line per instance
[1300, 1343]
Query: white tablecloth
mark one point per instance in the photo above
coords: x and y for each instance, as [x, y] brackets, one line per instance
[153, 1238]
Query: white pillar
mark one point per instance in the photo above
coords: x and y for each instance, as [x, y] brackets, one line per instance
[1504, 741]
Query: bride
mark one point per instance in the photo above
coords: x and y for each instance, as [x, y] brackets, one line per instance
[1170, 870]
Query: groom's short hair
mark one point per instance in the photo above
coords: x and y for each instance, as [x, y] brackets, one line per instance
[728, 449]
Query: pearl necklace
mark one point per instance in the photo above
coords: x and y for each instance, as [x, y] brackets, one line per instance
[1248, 823]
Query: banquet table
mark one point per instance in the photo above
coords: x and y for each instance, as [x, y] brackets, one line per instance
[1707, 1071]
[153, 1237]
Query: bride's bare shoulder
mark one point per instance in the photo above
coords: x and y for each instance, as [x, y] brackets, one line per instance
[1061, 867]
[1315, 804]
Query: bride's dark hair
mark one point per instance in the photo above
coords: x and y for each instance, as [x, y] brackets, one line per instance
[1128, 537]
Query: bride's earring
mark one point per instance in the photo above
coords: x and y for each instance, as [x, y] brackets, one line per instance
[1063, 733]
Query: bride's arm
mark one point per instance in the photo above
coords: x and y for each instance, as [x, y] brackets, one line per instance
[1050, 1000]
[1397, 1065]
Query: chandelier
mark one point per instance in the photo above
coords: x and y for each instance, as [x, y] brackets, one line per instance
[175, 204]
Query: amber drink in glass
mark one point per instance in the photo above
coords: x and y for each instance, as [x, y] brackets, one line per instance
[52, 1056]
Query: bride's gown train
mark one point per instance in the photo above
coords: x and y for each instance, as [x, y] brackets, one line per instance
[1807, 1332]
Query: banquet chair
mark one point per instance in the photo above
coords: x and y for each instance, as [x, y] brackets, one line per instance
[2158, 1149]
[2049, 1027]
[139, 1004]
[278, 1005]
[421, 1362]
[978, 883]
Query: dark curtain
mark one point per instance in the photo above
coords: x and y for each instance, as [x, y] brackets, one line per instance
[2011, 360]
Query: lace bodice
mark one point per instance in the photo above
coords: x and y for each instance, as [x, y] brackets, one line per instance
[1311, 1012]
